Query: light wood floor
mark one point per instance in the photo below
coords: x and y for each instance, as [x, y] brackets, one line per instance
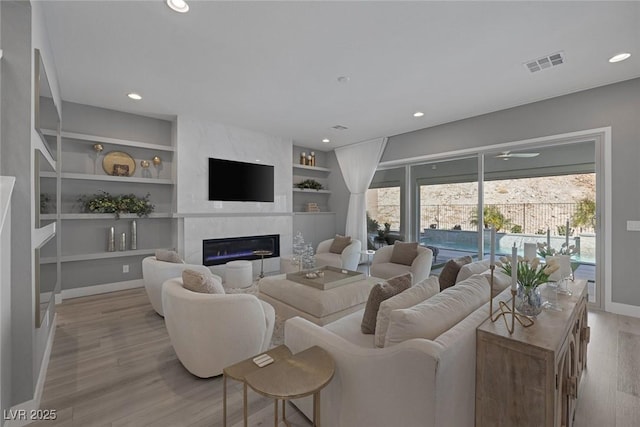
[112, 365]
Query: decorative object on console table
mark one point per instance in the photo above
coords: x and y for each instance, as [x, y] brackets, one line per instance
[313, 159]
[134, 235]
[312, 207]
[104, 202]
[118, 163]
[157, 162]
[123, 242]
[111, 242]
[303, 158]
[530, 275]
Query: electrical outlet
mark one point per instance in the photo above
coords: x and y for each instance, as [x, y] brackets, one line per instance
[125, 268]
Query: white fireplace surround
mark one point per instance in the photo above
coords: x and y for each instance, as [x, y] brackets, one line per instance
[199, 218]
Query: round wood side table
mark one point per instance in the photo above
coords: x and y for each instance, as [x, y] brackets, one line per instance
[303, 374]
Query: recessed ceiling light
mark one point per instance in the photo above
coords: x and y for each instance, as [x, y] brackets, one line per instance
[619, 57]
[344, 79]
[180, 6]
[418, 114]
[326, 140]
[134, 96]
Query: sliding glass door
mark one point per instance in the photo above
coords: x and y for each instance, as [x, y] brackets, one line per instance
[446, 205]
[545, 195]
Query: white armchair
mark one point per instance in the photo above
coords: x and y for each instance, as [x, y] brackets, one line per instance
[155, 273]
[211, 331]
[382, 267]
[348, 259]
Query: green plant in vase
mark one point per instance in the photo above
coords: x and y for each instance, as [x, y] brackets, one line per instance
[310, 184]
[530, 275]
[104, 202]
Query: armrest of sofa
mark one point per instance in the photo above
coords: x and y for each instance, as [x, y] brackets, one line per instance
[364, 379]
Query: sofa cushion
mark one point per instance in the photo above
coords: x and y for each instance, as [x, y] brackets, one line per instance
[379, 293]
[200, 282]
[450, 271]
[436, 315]
[339, 244]
[168, 256]
[468, 270]
[404, 253]
[412, 296]
[348, 327]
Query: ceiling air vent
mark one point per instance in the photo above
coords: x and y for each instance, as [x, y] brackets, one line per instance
[545, 62]
[339, 127]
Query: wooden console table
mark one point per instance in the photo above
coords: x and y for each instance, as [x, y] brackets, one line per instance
[531, 378]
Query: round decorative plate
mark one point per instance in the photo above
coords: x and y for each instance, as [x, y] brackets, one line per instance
[118, 163]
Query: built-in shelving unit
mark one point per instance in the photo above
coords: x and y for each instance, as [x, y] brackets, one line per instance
[83, 253]
[315, 226]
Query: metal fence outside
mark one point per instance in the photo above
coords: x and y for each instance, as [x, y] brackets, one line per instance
[532, 218]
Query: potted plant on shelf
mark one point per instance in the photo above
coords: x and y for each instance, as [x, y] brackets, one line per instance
[310, 184]
[104, 202]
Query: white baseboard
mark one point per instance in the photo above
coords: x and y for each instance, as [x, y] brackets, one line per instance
[101, 289]
[623, 309]
[58, 298]
[27, 407]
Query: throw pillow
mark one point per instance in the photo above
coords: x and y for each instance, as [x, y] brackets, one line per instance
[168, 256]
[500, 280]
[339, 244]
[404, 253]
[379, 293]
[436, 315]
[412, 296]
[468, 270]
[201, 282]
[450, 271]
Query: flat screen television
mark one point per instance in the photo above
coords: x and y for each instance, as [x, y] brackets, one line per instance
[239, 181]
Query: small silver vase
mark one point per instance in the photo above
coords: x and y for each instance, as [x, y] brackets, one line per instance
[111, 240]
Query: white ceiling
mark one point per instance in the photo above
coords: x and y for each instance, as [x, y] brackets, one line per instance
[273, 66]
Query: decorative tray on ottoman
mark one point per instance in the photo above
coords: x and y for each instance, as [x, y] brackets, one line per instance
[325, 278]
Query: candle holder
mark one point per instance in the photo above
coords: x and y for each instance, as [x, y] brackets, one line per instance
[505, 311]
[98, 148]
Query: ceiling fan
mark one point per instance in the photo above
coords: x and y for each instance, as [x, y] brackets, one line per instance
[506, 155]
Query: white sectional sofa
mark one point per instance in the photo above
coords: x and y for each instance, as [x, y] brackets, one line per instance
[415, 383]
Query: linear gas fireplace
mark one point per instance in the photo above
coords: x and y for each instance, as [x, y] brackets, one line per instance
[221, 251]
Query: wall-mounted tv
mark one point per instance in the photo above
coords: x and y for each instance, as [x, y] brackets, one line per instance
[239, 181]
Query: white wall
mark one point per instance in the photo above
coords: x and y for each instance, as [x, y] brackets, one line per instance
[199, 139]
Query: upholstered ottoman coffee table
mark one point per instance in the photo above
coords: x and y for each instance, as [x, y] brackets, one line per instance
[319, 306]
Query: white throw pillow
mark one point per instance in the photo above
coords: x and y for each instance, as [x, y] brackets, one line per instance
[432, 317]
[468, 270]
[500, 280]
[412, 296]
